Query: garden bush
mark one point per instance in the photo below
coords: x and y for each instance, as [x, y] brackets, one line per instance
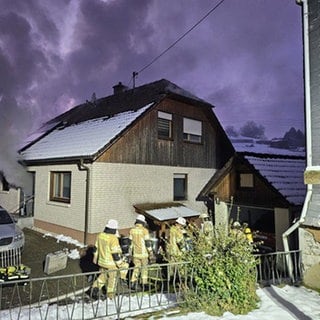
[223, 270]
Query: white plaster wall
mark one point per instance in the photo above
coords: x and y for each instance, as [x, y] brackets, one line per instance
[117, 187]
[70, 215]
[114, 189]
[281, 221]
[222, 216]
[10, 200]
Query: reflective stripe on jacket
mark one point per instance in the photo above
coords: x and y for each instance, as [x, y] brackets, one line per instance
[138, 235]
[106, 245]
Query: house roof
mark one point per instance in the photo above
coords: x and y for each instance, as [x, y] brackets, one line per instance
[82, 139]
[127, 100]
[283, 169]
[89, 128]
[284, 174]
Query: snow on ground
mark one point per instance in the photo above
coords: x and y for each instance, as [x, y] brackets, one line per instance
[73, 254]
[286, 303]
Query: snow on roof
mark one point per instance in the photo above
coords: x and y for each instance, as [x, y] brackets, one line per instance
[172, 212]
[285, 174]
[81, 139]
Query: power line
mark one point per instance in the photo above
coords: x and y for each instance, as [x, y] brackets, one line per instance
[178, 40]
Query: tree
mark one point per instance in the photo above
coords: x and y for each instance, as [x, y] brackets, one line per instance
[295, 138]
[253, 130]
[231, 131]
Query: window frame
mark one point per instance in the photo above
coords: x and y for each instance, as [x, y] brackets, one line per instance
[177, 194]
[57, 193]
[246, 180]
[192, 130]
[165, 120]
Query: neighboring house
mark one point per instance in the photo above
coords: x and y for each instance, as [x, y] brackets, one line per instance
[139, 150]
[14, 200]
[261, 186]
[10, 196]
[309, 231]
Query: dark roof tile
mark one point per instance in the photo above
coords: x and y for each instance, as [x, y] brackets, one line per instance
[132, 99]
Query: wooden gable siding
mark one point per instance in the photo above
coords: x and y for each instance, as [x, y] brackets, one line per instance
[261, 194]
[141, 145]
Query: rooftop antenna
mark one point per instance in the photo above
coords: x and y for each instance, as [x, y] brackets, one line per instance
[134, 75]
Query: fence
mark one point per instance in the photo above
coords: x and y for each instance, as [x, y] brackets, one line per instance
[10, 257]
[279, 267]
[64, 297]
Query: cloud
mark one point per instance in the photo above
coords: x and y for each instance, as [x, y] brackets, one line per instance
[245, 58]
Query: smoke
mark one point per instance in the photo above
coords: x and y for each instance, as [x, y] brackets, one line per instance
[22, 67]
[55, 54]
[14, 122]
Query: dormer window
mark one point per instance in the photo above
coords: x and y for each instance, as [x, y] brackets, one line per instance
[164, 125]
[192, 130]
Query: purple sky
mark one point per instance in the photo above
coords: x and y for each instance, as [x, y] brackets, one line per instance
[245, 57]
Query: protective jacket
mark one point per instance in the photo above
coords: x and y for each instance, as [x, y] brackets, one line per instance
[176, 241]
[106, 244]
[139, 236]
[248, 233]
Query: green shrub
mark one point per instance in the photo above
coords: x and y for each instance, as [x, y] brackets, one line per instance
[224, 274]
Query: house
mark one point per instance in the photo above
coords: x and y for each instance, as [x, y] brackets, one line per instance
[261, 186]
[10, 196]
[139, 150]
[309, 223]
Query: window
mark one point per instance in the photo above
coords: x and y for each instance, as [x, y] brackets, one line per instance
[246, 180]
[60, 186]
[164, 125]
[192, 130]
[180, 187]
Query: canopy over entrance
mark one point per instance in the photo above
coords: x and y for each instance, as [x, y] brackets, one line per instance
[162, 212]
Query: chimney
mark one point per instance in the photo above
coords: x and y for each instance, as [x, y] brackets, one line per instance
[118, 88]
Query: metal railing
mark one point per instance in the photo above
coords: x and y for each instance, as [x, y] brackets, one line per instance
[279, 268]
[64, 297]
[11, 257]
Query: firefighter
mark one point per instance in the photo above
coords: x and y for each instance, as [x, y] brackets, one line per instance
[237, 230]
[247, 231]
[177, 236]
[108, 256]
[242, 231]
[141, 248]
[206, 225]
